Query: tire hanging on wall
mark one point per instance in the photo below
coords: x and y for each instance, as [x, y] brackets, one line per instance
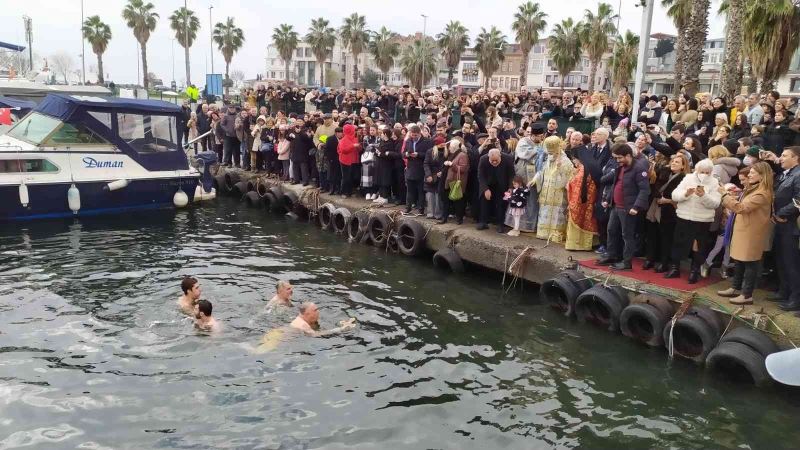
[391, 244]
[378, 228]
[754, 339]
[410, 237]
[252, 199]
[269, 201]
[326, 215]
[340, 219]
[231, 178]
[357, 226]
[560, 293]
[240, 188]
[221, 185]
[447, 258]
[602, 306]
[739, 362]
[290, 202]
[251, 185]
[692, 339]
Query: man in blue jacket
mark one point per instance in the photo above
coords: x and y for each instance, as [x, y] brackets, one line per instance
[787, 188]
[629, 198]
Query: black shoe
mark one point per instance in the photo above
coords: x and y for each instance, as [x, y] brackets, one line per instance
[460, 221]
[777, 298]
[790, 306]
[408, 209]
[622, 265]
[442, 221]
[606, 261]
[673, 272]
[482, 226]
[501, 229]
[660, 268]
[648, 264]
[694, 275]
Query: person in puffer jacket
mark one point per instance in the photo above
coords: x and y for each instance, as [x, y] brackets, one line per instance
[725, 166]
[349, 150]
[697, 198]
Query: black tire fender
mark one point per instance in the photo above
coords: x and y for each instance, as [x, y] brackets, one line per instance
[391, 244]
[755, 339]
[693, 338]
[221, 185]
[252, 199]
[357, 226]
[269, 201]
[709, 316]
[447, 258]
[560, 293]
[340, 219]
[739, 361]
[231, 178]
[251, 185]
[290, 201]
[240, 188]
[410, 237]
[378, 228]
[578, 279]
[601, 306]
[643, 322]
[326, 215]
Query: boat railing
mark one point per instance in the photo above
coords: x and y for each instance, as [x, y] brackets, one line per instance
[186, 145]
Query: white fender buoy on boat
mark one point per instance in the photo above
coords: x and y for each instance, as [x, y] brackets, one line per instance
[180, 199]
[74, 199]
[115, 185]
[24, 198]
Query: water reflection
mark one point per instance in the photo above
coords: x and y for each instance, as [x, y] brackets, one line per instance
[94, 354]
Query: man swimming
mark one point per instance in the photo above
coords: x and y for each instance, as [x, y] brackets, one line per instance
[308, 322]
[203, 320]
[191, 294]
[283, 295]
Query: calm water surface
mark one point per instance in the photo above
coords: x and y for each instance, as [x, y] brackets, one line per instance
[94, 354]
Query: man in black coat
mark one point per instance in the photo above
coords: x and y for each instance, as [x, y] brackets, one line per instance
[495, 174]
[301, 144]
[332, 154]
[414, 151]
[203, 126]
[787, 189]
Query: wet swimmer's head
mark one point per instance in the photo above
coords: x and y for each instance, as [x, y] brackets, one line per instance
[284, 291]
[191, 288]
[204, 309]
[203, 319]
[309, 312]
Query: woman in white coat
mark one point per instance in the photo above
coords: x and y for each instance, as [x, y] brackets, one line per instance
[697, 198]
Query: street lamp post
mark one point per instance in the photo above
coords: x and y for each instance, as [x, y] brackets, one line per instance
[211, 36]
[173, 63]
[424, 43]
[83, 49]
[641, 62]
[29, 38]
[186, 42]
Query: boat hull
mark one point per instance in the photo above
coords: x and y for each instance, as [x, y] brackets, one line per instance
[49, 200]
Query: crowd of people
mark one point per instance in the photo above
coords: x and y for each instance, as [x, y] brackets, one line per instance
[688, 178]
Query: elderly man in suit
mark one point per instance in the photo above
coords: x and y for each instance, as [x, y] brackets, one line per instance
[495, 174]
[787, 188]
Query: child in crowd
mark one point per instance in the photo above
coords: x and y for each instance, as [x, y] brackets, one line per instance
[518, 196]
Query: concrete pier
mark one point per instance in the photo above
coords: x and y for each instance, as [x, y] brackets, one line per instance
[495, 251]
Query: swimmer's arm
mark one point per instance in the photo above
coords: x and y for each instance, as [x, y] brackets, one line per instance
[348, 326]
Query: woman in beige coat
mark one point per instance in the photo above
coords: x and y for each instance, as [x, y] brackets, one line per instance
[750, 231]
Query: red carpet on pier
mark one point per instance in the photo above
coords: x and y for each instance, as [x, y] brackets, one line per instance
[657, 279]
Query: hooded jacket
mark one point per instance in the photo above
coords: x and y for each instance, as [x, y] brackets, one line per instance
[348, 146]
[693, 207]
[726, 168]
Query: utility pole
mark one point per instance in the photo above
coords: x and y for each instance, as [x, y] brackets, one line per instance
[186, 42]
[424, 42]
[644, 43]
[173, 62]
[211, 36]
[29, 37]
[83, 49]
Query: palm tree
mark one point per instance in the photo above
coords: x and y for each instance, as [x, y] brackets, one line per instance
[732, 68]
[680, 11]
[98, 34]
[185, 25]
[419, 62]
[285, 40]
[354, 35]
[490, 47]
[140, 18]
[770, 48]
[321, 37]
[695, 42]
[598, 28]
[384, 48]
[528, 23]
[229, 39]
[623, 59]
[453, 41]
[564, 46]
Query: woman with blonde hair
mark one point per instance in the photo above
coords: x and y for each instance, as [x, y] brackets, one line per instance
[552, 184]
[594, 108]
[751, 230]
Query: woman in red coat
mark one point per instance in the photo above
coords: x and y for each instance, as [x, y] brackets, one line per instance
[349, 154]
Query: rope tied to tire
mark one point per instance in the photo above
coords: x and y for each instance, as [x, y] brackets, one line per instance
[685, 305]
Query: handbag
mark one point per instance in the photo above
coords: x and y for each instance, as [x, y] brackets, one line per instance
[267, 147]
[367, 157]
[456, 192]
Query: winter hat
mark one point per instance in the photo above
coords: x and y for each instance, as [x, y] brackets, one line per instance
[753, 151]
[732, 145]
[438, 140]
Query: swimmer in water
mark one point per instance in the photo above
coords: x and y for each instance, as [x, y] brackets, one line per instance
[203, 320]
[283, 295]
[187, 303]
[308, 322]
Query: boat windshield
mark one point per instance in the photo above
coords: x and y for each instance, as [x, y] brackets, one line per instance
[40, 129]
[34, 128]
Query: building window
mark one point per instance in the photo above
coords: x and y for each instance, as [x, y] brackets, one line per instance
[301, 71]
[311, 78]
[514, 84]
[536, 66]
[469, 73]
[299, 53]
[494, 83]
[538, 48]
[586, 63]
[308, 52]
[794, 86]
[548, 78]
[272, 74]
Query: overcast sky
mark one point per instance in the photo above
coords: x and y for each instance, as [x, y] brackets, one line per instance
[56, 26]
